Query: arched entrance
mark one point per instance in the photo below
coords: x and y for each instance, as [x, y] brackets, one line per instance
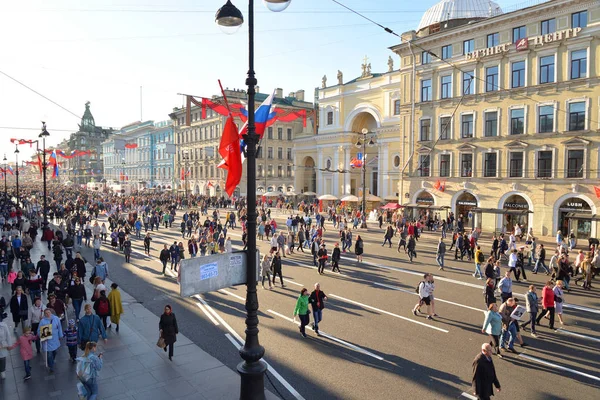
[515, 203]
[465, 202]
[424, 198]
[309, 175]
[572, 213]
[197, 189]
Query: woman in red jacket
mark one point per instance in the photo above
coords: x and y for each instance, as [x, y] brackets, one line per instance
[547, 304]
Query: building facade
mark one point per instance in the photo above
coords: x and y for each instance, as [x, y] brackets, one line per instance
[198, 147]
[323, 161]
[502, 111]
[141, 154]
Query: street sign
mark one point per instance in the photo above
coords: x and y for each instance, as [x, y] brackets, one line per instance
[214, 272]
[359, 156]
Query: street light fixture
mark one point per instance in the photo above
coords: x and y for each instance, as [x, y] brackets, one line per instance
[363, 143]
[252, 369]
[44, 134]
[17, 170]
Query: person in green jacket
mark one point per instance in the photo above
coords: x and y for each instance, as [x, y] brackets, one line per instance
[492, 325]
[302, 310]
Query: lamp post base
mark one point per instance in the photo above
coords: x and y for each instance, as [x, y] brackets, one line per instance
[252, 379]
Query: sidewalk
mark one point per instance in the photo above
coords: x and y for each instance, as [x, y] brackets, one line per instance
[134, 367]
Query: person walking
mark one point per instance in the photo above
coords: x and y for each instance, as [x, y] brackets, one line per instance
[97, 244]
[489, 292]
[411, 247]
[479, 260]
[101, 269]
[164, 257]
[505, 286]
[492, 325]
[317, 300]
[322, 254]
[531, 303]
[547, 305]
[359, 248]
[147, 241]
[102, 308]
[559, 299]
[301, 310]
[509, 327]
[5, 345]
[276, 268]
[265, 271]
[43, 268]
[35, 315]
[336, 255]
[87, 371]
[540, 259]
[424, 297]
[19, 307]
[127, 249]
[90, 328]
[484, 374]
[78, 295]
[168, 329]
[24, 342]
[51, 345]
[389, 234]
[440, 253]
[512, 264]
[116, 306]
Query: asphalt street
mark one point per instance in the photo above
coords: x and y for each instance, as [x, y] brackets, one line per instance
[373, 347]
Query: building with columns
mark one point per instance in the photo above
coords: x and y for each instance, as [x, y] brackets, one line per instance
[323, 161]
[501, 111]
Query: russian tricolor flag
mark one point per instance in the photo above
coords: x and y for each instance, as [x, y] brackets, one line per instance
[54, 164]
[10, 170]
[262, 117]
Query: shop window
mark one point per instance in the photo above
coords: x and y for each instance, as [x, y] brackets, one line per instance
[424, 165]
[445, 128]
[517, 121]
[579, 19]
[491, 124]
[446, 84]
[516, 164]
[546, 119]
[444, 165]
[426, 90]
[491, 79]
[575, 163]
[466, 165]
[490, 166]
[544, 164]
[577, 116]
[425, 133]
[468, 83]
[518, 74]
[579, 64]
[466, 123]
[547, 69]
[548, 26]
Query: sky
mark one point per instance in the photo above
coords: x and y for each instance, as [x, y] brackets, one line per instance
[74, 51]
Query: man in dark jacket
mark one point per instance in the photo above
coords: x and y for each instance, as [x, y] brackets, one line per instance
[317, 299]
[165, 256]
[322, 254]
[335, 258]
[484, 374]
[19, 307]
[43, 268]
[79, 264]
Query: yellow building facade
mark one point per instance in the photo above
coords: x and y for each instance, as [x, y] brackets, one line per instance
[323, 161]
[501, 115]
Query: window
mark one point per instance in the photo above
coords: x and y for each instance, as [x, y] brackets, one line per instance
[279, 133]
[269, 171]
[280, 153]
[466, 165]
[548, 26]
[426, 90]
[517, 121]
[574, 163]
[289, 171]
[491, 124]
[279, 171]
[491, 79]
[544, 165]
[425, 58]
[547, 69]
[289, 153]
[468, 83]
[515, 164]
[396, 161]
[493, 39]
[270, 153]
[270, 133]
[466, 129]
[546, 119]
[446, 83]
[445, 165]
[468, 46]
[425, 130]
[579, 64]
[396, 107]
[577, 116]
[423, 165]
[260, 170]
[518, 74]
[446, 52]
[445, 128]
[519, 33]
[329, 118]
[490, 165]
[289, 134]
[579, 19]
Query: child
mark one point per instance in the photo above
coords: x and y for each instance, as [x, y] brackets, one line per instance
[12, 275]
[71, 336]
[26, 351]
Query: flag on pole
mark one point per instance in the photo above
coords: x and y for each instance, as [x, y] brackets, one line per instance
[53, 162]
[10, 170]
[189, 172]
[262, 117]
[230, 151]
[210, 184]
[182, 174]
[597, 190]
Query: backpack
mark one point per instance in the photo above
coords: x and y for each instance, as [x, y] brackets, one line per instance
[480, 258]
[419, 285]
[84, 369]
[103, 307]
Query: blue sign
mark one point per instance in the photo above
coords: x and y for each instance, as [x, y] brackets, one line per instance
[359, 156]
[208, 271]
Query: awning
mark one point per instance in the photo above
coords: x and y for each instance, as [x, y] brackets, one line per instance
[502, 211]
[426, 206]
[574, 215]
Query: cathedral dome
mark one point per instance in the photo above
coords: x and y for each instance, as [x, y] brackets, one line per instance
[459, 10]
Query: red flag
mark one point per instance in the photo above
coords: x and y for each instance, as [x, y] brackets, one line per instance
[182, 174]
[597, 190]
[39, 163]
[230, 151]
[437, 185]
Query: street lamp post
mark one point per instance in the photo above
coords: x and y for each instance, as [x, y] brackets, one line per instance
[252, 370]
[5, 173]
[17, 171]
[186, 157]
[44, 134]
[364, 132]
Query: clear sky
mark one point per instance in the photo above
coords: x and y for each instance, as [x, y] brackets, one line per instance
[74, 51]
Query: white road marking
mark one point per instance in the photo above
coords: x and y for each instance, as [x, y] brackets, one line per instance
[560, 367]
[579, 335]
[208, 314]
[387, 313]
[218, 317]
[293, 283]
[232, 294]
[436, 298]
[581, 308]
[468, 396]
[340, 341]
[233, 341]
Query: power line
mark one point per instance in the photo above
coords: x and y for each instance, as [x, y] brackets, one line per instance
[39, 94]
[16, 128]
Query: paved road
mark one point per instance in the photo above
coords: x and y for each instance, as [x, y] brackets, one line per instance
[374, 347]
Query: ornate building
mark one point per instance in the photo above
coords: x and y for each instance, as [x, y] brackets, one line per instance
[502, 114]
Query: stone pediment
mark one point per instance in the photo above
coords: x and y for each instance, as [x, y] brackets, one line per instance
[424, 150]
[576, 141]
[467, 147]
[516, 144]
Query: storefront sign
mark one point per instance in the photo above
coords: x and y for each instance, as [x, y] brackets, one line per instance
[523, 44]
[470, 203]
[574, 204]
[424, 200]
[517, 206]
